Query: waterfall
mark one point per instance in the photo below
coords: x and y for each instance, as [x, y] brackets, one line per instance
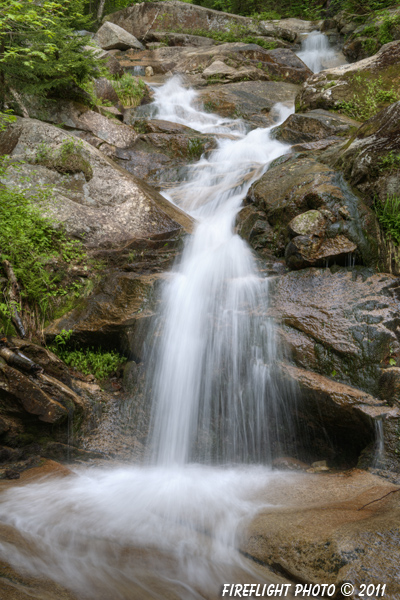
[171, 529]
[316, 52]
[213, 392]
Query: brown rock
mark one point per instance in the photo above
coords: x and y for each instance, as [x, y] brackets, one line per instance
[105, 90]
[18, 390]
[312, 126]
[316, 533]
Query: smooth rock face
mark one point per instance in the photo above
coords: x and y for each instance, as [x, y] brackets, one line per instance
[330, 87]
[316, 533]
[109, 209]
[296, 184]
[341, 324]
[250, 100]
[312, 126]
[111, 36]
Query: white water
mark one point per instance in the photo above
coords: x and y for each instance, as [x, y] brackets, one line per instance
[171, 530]
[317, 54]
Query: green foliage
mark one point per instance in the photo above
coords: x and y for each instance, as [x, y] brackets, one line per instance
[30, 242]
[390, 162]
[68, 158]
[130, 90]
[195, 148]
[5, 119]
[388, 214]
[39, 52]
[99, 363]
[387, 27]
[368, 98]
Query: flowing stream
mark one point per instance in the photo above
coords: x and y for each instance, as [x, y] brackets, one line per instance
[171, 527]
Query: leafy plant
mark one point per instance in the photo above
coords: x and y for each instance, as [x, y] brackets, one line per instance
[39, 51]
[388, 214]
[99, 363]
[366, 102]
[130, 90]
[389, 162]
[31, 244]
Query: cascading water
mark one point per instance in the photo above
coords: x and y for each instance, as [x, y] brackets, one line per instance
[171, 528]
[317, 54]
[214, 396]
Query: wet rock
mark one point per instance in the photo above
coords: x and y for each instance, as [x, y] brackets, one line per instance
[311, 250]
[51, 364]
[114, 316]
[329, 539]
[296, 184]
[312, 126]
[250, 100]
[111, 36]
[12, 474]
[341, 324]
[331, 87]
[112, 208]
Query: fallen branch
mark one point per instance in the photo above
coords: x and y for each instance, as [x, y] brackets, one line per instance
[379, 499]
[14, 299]
[17, 359]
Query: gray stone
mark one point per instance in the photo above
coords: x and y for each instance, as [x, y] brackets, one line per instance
[111, 36]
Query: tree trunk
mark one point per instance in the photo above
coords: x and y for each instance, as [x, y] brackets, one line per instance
[100, 10]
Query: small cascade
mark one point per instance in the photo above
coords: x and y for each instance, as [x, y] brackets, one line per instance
[317, 54]
[379, 457]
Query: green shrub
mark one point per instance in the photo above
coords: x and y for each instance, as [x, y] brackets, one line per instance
[31, 244]
[388, 214]
[130, 90]
[367, 100]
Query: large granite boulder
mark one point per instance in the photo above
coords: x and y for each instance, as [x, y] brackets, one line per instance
[114, 37]
[140, 19]
[105, 205]
[316, 218]
[249, 100]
